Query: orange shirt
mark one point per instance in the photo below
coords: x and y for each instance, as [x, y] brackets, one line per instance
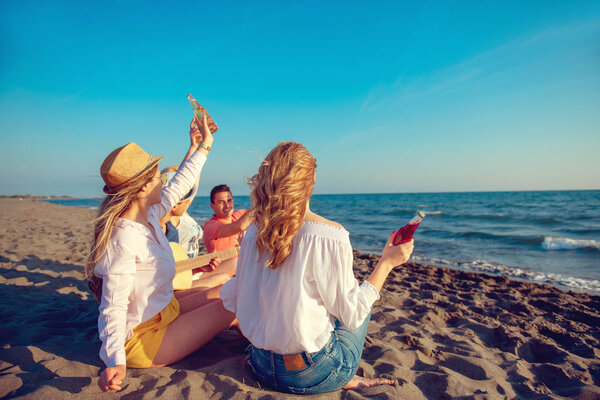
[211, 232]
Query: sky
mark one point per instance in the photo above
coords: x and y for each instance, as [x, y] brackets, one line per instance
[389, 96]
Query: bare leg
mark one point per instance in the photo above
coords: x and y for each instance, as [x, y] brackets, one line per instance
[228, 267]
[192, 330]
[198, 297]
[210, 280]
[359, 381]
[205, 294]
[180, 294]
[224, 272]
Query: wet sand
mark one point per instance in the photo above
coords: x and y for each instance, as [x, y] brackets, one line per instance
[439, 333]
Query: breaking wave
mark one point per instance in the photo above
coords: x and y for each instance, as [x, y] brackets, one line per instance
[558, 243]
[485, 267]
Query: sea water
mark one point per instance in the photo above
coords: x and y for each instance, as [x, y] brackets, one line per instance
[550, 237]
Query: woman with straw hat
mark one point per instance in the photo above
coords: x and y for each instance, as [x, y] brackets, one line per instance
[141, 324]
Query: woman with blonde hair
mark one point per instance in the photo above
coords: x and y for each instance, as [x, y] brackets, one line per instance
[131, 268]
[294, 295]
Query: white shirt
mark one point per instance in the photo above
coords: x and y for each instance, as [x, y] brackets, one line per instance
[293, 308]
[190, 235]
[137, 271]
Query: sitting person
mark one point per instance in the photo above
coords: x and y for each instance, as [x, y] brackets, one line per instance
[142, 323]
[181, 228]
[188, 231]
[295, 295]
[222, 231]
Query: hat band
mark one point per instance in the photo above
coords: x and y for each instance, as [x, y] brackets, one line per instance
[114, 190]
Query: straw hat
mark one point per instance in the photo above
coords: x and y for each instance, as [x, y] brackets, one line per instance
[125, 164]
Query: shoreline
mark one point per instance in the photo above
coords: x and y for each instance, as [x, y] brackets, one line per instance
[439, 332]
[545, 259]
[36, 198]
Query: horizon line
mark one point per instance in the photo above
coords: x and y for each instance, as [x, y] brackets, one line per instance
[338, 194]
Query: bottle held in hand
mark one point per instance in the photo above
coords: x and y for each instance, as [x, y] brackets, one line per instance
[200, 112]
[405, 234]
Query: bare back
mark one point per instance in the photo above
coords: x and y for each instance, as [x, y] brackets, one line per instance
[312, 217]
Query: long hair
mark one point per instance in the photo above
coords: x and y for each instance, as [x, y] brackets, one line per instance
[110, 210]
[280, 191]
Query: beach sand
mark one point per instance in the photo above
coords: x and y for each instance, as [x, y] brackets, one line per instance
[439, 333]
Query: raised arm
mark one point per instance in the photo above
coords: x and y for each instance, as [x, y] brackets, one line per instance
[195, 139]
[201, 141]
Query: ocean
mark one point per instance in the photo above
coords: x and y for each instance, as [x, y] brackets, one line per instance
[543, 236]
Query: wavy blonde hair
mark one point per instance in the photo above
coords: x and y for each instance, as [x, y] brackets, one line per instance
[110, 210]
[280, 191]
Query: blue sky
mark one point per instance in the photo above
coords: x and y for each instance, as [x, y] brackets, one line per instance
[388, 96]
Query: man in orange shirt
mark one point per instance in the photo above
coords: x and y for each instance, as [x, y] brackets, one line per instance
[222, 231]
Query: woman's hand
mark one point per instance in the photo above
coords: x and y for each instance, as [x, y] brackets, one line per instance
[392, 257]
[396, 255]
[200, 131]
[111, 378]
[195, 134]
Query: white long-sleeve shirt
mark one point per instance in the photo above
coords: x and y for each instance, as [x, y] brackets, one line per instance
[293, 308]
[137, 271]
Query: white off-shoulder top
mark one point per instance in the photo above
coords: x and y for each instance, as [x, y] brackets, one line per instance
[293, 308]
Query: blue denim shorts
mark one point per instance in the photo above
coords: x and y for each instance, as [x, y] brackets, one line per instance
[326, 370]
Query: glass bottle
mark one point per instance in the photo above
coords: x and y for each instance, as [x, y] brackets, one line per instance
[200, 112]
[405, 234]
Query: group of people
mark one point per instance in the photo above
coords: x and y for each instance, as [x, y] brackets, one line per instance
[291, 291]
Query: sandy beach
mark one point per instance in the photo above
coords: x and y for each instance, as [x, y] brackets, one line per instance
[439, 333]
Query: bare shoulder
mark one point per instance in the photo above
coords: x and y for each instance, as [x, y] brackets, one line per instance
[312, 217]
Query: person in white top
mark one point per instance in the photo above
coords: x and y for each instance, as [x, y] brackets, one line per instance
[141, 323]
[295, 295]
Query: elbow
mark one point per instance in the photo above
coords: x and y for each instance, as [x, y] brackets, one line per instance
[358, 321]
[356, 318]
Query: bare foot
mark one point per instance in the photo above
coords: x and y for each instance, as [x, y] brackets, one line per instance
[360, 382]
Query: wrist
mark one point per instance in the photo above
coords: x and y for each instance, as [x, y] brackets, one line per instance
[385, 265]
[204, 146]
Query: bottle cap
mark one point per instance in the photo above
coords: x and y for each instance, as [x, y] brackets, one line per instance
[421, 214]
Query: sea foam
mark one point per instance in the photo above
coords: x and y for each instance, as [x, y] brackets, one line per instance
[525, 274]
[433, 212]
[558, 243]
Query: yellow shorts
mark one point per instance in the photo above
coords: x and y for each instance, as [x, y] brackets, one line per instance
[142, 347]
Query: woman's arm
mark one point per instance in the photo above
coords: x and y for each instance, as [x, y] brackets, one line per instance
[195, 139]
[338, 289]
[117, 270]
[204, 136]
[340, 292]
[189, 171]
[391, 258]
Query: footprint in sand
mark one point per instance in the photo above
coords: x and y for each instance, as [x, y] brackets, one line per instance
[537, 351]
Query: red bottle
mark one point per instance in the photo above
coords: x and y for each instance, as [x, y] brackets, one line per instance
[405, 234]
[200, 112]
